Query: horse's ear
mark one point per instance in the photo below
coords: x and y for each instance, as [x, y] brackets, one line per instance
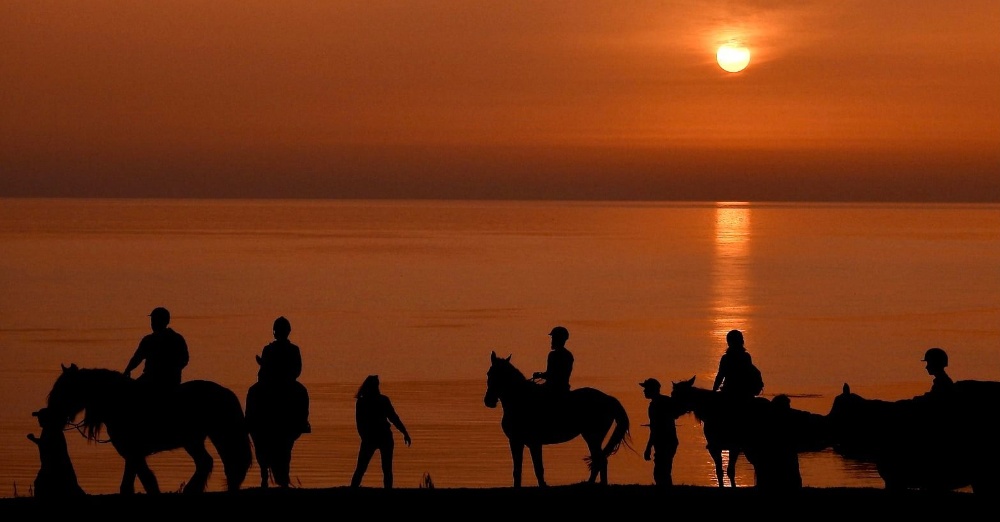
[493, 356]
[508, 358]
[847, 389]
[689, 381]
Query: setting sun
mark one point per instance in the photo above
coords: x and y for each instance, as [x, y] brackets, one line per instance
[733, 57]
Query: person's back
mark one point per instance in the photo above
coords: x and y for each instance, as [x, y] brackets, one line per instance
[280, 360]
[737, 376]
[559, 363]
[166, 357]
[662, 444]
[371, 414]
[163, 353]
[374, 414]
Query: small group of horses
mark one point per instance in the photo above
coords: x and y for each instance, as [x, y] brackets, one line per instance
[913, 443]
[921, 443]
[139, 425]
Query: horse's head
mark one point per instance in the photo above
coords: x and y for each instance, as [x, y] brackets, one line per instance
[93, 390]
[851, 421]
[682, 393]
[66, 399]
[845, 405]
[499, 379]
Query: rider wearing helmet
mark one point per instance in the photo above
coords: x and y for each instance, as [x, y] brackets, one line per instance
[559, 364]
[280, 360]
[937, 360]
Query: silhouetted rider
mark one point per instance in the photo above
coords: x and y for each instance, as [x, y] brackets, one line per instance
[937, 360]
[559, 364]
[735, 366]
[164, 354]
[280, 360]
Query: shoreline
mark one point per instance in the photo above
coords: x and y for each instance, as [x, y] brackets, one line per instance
[578, 500]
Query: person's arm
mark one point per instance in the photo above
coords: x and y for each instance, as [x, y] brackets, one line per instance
[136, 359]
[396, 421]
[720, 375]
[296, 362]
[548, 368]
[184, 356]
[648, 454]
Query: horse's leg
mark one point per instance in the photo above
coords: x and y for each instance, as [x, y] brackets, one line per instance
[517, 457]
[140, 468]
[203, 465]
[260, 453]
[536, 461]
[282, 461]
[734, 455]
[127, 486]
[598, 464]
[716, 454]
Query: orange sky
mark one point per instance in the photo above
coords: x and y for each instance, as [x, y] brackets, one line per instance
[615, 99]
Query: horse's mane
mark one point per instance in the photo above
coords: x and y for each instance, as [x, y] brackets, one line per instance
[514, 370]
[100, 384]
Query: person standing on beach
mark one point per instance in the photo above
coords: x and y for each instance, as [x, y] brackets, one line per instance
[559, 364]
[375, 415]
[662, 444]
[163, 353]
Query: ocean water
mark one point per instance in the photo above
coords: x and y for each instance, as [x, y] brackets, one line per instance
[421, 292]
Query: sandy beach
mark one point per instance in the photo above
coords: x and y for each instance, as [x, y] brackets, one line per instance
[567, 502]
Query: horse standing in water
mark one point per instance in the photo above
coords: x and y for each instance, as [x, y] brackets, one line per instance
[139, 426]
[529, 421]
[771, 437]
[928, 442]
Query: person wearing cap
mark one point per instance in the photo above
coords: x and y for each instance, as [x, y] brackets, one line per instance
[559, 364]
[163, 353]
[662, 444]
[936, 360]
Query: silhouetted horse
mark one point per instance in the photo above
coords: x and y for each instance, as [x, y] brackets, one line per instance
[139, 426]
[927, 442]
[769, 436]
[530, 419]
[277, 415]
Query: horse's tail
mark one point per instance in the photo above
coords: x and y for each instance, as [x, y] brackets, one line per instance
[231, 438]
[619, 437]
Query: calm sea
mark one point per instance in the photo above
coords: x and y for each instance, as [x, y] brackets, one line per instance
[420, 293]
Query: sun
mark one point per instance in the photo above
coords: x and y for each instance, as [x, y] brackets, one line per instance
[733, 57]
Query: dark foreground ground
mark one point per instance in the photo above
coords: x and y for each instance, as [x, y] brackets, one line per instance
[583, 501]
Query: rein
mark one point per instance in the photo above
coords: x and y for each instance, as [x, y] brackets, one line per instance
[79, 428]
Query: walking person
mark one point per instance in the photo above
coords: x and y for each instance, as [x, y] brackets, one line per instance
[375, 415]
[662, 444]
